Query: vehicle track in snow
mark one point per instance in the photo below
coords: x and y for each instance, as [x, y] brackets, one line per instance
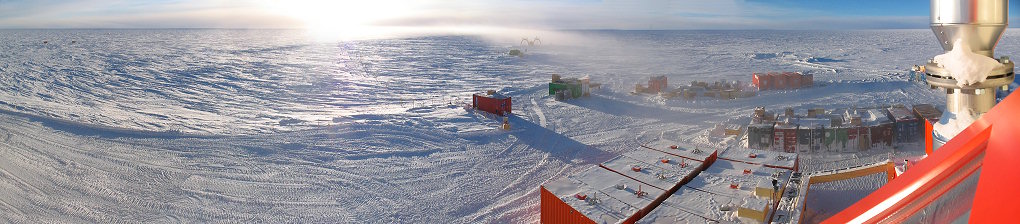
[363, 137]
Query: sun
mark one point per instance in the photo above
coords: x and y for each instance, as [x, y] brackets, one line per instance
[344, 19]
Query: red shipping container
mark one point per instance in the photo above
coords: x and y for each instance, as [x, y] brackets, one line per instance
[758, 80]
[807, 80]
[657, 84]
[882, 134]
[553, 210]
[778, 141]
[763, 81]
[792, 80]
[852, 141]
[928, 136]
[496, 103]
[790, 139]
[778, 82]
[927, 111]
[785, 138]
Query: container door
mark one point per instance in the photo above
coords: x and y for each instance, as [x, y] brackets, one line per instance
[852, 142]
[803, 140]
[777, 141]
[791, 140]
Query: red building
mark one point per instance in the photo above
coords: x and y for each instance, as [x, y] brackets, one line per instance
[778, 82]
[807, 80]
[657, 84]
[929, 116]
[792, 80]
[785, 138]
[492, 102]
[785, 80]
[882, 134]
[761, 80]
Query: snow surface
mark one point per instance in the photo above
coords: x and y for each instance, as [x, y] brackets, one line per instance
[700, 200]
[952, 124]
[761, 157]
[268, 126]
[598, 204]
[827, 199]
[650, 171]
[966, 66]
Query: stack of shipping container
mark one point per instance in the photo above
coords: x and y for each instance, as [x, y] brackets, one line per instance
[881, 128]
[785, 80]
[759, 136]
[657, 84]
[569, 88]
[785, 137]
[759, 132]
[761, 80]
[928, 115]
[845, 130]
[907, 125]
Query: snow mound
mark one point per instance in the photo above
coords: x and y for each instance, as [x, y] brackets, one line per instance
[964, 65]
[768, 55]
[948, 128]
[821, 60]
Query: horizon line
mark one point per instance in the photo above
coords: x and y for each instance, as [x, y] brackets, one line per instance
[582, 29]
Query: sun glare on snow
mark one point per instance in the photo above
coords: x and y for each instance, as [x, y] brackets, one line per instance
[344, 19]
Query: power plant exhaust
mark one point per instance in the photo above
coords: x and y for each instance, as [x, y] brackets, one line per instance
[962, 25]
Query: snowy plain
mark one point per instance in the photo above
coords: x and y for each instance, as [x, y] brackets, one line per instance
[270, 126]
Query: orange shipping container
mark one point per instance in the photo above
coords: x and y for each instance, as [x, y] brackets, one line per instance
[495, 103]
[789, 139]
[778, 82]
[807, 80]
[761, 81]
[553, 210]
[792, 80]
[657, 84]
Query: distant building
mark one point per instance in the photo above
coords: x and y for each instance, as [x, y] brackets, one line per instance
[492, 102]
[929, 115]
[784, 80]
[569, 88]
[656, 84]
[841, 130]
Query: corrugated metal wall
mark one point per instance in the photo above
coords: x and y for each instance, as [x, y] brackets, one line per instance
[759, 136]
[804, 139]
[492, 105]
[555, 211]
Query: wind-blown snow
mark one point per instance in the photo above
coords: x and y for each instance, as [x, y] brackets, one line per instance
[266, 126]
[826, 199]
[966, 66]
[952, 124]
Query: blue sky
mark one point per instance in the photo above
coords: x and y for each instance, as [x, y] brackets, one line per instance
[570, 14]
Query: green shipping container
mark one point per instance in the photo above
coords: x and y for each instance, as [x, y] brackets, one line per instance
[830, 136]
[575, 89]
[842, 138]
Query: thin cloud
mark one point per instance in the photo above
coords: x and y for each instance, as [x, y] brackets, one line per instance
[528, 14]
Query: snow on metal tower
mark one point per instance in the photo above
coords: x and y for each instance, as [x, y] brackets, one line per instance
[979, 24]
